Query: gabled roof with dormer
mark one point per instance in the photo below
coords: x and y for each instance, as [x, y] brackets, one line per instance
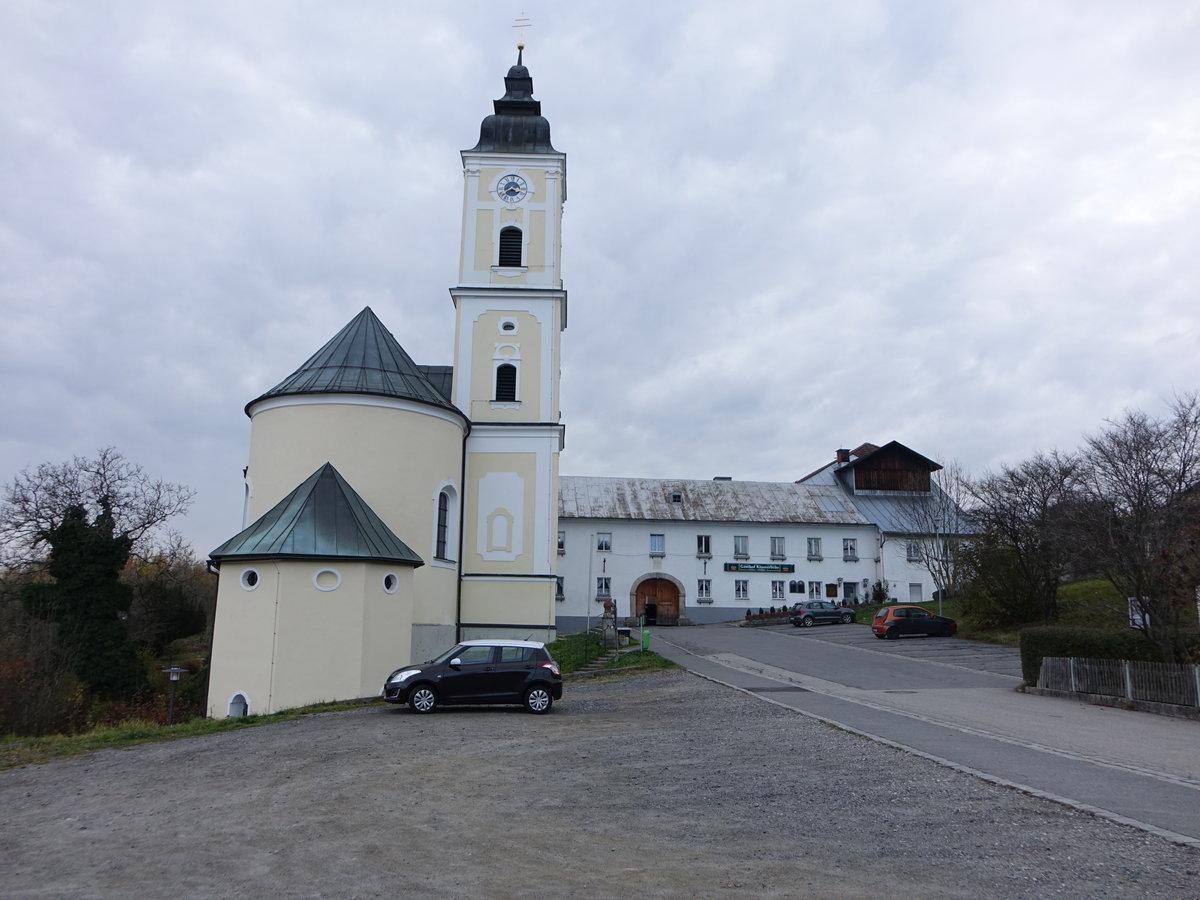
[362, 358]
[323, 518]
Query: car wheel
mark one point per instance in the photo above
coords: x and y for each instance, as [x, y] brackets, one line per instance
[879, 636]
[423, 699]
[806, 622]
[847, 618]
[538, 699]
[892, 634]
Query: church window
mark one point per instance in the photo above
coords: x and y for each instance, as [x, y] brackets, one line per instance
[510, 247]
[506, 383]
[443, 525]
[390, 582]
[249, 579]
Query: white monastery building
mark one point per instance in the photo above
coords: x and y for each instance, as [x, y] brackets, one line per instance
[693, 552]
[393, 508]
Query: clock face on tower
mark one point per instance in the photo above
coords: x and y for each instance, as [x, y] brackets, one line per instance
[512, 188]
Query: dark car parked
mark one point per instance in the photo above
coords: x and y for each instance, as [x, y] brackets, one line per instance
[819, 612]
[478, 672]
[895, 621]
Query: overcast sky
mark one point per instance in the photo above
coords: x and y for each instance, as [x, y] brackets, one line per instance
[973, 227]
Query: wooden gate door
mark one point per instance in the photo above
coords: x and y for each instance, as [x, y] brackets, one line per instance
[658, 600]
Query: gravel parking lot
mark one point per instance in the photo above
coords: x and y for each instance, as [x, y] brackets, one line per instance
[660, 785]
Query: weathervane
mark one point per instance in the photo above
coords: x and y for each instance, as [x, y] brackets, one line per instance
[522, 22]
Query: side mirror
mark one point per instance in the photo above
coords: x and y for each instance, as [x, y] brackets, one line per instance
[455, 663]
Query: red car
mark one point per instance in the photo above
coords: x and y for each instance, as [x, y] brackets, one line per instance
[894, 621]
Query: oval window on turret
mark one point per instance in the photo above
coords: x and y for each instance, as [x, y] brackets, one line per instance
[327, 579]
[390, 582]
[249, 579]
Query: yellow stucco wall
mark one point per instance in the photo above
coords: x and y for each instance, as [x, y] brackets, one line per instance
[287, 643]
[524, 465]
[524, 602]
[396, 461]
[528, 340]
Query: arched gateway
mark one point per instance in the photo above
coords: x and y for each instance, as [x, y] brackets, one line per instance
[658, 598]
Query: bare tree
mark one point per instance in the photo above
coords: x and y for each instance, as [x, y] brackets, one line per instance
[1020, 513]
[36, 501]
[1141, 482]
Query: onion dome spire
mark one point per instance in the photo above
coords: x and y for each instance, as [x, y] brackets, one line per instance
[517, 124]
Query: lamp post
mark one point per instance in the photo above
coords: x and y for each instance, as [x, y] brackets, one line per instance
[937, 561]
[174, 672]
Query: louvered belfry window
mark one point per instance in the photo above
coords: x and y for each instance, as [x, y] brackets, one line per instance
[506, 383]
[510, 247]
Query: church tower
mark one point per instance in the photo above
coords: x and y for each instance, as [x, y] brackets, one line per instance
[510, 311]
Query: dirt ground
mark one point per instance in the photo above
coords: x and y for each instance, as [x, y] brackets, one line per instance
[660, 785]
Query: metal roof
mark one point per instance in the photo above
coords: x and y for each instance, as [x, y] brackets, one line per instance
[517, 126]
[641, 499]
[322, 518]
[362, 358]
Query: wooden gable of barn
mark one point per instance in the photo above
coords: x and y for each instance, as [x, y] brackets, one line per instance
[891, 468]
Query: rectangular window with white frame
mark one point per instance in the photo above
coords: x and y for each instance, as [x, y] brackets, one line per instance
[604, 541]
[814, 590]
[658, 545]
[777, 548]
[814, 548]
[777, 590]
[704, 546]
[913, 551]
[850, 549]
[559, 592]
[741, 546]
[562, 542]
[603, 587]
[741, 589]
[704, 590]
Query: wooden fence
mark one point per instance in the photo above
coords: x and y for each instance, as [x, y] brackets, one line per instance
[1118, 678]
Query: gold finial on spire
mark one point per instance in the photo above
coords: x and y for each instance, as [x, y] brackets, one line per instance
[522, 22]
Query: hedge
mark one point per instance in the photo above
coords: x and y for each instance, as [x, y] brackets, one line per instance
[1080, 643]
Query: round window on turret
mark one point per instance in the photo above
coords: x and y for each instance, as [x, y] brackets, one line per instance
[249, 579]
[390, 582]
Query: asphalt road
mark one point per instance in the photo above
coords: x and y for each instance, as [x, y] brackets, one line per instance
[955, 702]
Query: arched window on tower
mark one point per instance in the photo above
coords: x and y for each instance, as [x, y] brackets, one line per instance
[510, 247]
[443, 525]
[506, 383]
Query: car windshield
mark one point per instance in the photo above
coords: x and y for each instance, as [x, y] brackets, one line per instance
[449, 654]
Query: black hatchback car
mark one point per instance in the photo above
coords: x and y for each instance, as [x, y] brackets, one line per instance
[479, 672]
[817, 612]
